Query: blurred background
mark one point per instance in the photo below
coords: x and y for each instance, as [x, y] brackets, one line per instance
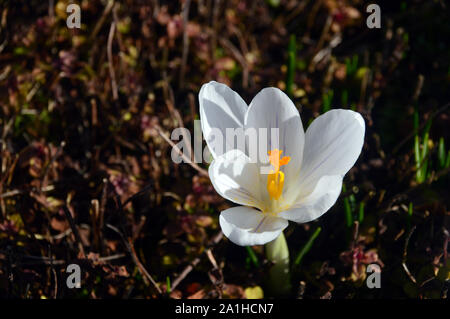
[86, 175]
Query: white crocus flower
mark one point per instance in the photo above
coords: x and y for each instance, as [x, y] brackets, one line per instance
[307, 167]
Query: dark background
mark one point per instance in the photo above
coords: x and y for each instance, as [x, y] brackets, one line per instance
[86, 175]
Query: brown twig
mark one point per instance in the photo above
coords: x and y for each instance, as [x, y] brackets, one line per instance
[101, 211]
[74, 228]
[216, 239]
[112, 30]
[55, 276]
[102, 19]
[215, 21]
[184, 56]
[185, 158]
[301, 289]
[130, 247]
[238, 56]
[445, 248]
[50, 164]
[215, 274]
[405, 254]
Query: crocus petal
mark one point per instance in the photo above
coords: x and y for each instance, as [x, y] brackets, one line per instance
[273, 109]
[220, 108]
[322, 198]
[333, 143]
[235, 178]
[246, 226]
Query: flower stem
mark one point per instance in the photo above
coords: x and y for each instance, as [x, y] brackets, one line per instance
[279, 277]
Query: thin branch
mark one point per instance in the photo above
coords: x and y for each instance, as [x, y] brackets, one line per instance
[216, 239]
[405, 254]
[185, 158]
[74, 229]
[238, 56]
[110, 61]
[186, 6]
[132, 252]
[102, 19]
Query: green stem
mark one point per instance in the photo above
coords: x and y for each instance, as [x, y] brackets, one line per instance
[279, 276]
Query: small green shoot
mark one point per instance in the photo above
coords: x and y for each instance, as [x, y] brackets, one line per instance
[443, 156]
[421, 149]
[168, 284]
[361, 212]
[327, 98]
[252, 256]
[410, 212]
[307, 246]
[347, 209]
[292, 53]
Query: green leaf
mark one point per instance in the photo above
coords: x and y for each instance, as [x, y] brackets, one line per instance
[361, 212]
[292, 53]
[423, 162]
[252, 256]
[327, 98]
[410, 213]
[441, 153]
[347, 209]
[168, 284]
[447, 162]
[307, 246]
[417, 157]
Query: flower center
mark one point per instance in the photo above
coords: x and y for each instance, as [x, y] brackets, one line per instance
[275, 179]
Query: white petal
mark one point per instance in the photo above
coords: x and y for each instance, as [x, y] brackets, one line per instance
[333, 143]
[271, 108]
[246, 226]
[235, 178]
[220, 108]
[318, 202]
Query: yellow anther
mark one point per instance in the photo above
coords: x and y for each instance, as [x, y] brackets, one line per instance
[275, 179]
[275, 182]
[276, 160]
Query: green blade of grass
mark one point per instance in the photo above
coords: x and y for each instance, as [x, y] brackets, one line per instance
[352, 201]
[417, 157]
[424, 154]
[351, 65]
[307, 246]
[426, 135]
[441, 153]
[416, 119]
[168, 284]
[417, 144]
[292, 53]
[348, 66]
[252, 256]
[361, 212]
[447, 162]
[327, 98]
[410, 212]
[347, 209]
